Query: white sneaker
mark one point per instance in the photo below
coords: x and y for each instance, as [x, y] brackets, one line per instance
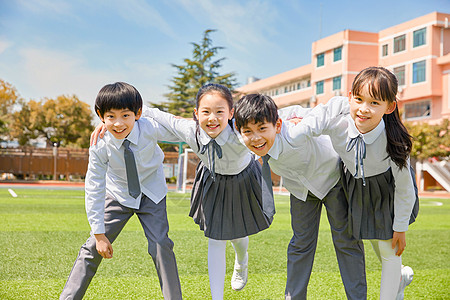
[407, 277]
[239, 278]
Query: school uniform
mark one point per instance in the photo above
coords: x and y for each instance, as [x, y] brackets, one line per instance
[382, 197]
[226, 199]
[310, 171]
[109, 206]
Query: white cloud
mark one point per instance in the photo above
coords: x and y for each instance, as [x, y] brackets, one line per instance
[142, 13]
[50, 73]
[245, 24]
[45, 6]
[4, 44]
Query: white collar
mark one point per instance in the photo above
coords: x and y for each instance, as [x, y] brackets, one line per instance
[221, 139]
[368, 137]
[133, 136]
[274, 151]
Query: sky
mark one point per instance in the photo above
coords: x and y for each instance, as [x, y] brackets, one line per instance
[50, 48]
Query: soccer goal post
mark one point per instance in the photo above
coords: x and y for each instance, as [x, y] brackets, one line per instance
[182, 170]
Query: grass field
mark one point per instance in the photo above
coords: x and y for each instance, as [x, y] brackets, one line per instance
[42, 230]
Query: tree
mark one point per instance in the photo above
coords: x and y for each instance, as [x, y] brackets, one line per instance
[429, 140]
[202, 68]
[8, 98]
[65, 120]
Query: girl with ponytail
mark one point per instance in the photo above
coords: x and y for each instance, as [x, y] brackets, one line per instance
[374, 146]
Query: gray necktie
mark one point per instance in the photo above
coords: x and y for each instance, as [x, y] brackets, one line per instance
[134, 187]
[267, 191]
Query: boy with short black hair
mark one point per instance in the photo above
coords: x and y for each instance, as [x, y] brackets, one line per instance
[310, 171]
[125, 177]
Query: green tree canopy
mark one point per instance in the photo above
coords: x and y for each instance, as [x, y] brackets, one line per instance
[65, 120]
[429, 140]
[202, 68]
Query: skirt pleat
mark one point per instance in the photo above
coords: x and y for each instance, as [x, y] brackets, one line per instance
[231, 206]
[371, 207]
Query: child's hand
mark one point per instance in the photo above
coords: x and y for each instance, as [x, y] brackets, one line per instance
[400, 239]
[104, 247]
[99, 131]
[295, 120]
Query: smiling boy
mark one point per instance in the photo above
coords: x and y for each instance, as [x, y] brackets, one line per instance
[125, 177]
[310, 171]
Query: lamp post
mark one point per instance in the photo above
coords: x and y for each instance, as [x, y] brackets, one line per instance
[55, 158]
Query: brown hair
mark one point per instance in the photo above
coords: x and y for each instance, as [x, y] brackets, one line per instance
[211, 88]
[382, 85]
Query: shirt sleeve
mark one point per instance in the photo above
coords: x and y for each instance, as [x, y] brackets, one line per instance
[294, 111]
[174, 129]
[322, 119]
[95, 188]
[404, 196]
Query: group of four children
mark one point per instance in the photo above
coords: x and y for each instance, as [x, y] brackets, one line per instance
[351, 155]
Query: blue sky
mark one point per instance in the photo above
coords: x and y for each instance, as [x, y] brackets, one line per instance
[54, 47]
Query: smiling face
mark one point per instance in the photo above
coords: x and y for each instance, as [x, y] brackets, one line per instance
[120, 122]
[366, 111]
[259, 137]
[213, 113]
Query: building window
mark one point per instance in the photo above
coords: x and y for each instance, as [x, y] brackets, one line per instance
[400, 74]
[418, 71]
[420, 109]
[399, 43]
[337, 54]
[319, 87]
[419, 37]
[320, 59]
[337, 83]
[384, 51]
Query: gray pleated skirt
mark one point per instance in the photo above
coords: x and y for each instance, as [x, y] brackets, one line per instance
[231, 206]
[371, 207]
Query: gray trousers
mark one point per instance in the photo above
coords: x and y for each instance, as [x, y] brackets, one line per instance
[305, 218]
[153, 218]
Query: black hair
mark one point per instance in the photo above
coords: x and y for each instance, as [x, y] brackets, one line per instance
[212, 88]
[119, 95]
[255, 108]
[382, 85]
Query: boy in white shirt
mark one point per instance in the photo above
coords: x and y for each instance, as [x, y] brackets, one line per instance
[310, 171]
[125, 177]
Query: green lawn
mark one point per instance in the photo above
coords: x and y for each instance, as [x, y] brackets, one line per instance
[41, 232]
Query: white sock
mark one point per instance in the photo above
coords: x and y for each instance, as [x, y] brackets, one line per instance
[240, 248]
[216, 267]
[391, 266]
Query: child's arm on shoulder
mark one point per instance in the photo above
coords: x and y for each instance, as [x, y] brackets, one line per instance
[322, 119]
[293, 111]
[179, 127]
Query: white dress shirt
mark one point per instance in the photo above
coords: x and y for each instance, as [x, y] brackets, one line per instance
[310, 163]
[106, 170]
[334, 120]
[235, 156]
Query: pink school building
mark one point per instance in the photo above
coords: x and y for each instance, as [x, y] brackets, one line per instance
[417, 52]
